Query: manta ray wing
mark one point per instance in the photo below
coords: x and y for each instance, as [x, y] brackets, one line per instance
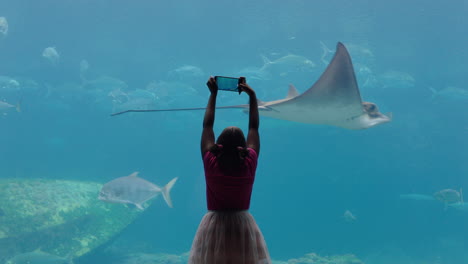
[334, 99]
[337, 87]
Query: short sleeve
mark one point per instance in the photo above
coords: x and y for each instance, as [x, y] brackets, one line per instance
[251, 160]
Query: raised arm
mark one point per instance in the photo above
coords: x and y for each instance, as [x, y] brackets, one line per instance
[208, 137]
[253, 138]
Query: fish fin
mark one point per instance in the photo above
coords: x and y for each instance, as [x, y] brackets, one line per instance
[140, 207]
[135, 174]
[434, 93]
[166, 192]
[265, 60]
[389, 115]
[292, 92]
[326, 50]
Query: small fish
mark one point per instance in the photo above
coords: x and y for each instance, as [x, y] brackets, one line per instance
[4, 106]
[134, 190]
[186, 72]
[136, 103]
[106, 84]
[3, 26]
[8, 84]
[450, 93]
[51, 54]
[396, 79]
[449, 196]
[287, 64]
[38, 257]
[255, 73]
[416, 197]
[460, 206]
[349, 217]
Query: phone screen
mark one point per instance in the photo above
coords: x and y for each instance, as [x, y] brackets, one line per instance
[227, 83]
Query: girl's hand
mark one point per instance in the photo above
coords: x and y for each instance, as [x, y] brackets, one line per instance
[244, 87]
[212, 85]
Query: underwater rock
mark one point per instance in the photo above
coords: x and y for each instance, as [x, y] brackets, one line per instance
[62, 218]
[313, 258]
[37, 257]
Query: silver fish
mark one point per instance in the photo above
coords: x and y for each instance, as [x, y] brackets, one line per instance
[286, 64]
[4, 106]
[134, 190]
[186, 72]
[450, 93]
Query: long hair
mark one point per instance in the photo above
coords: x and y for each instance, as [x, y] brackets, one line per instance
[230, 150]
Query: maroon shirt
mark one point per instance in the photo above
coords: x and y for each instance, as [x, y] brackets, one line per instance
[224, 192]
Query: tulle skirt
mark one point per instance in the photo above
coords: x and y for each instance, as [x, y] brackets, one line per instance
[226, 237]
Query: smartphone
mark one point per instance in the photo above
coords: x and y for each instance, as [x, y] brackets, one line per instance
[228, 83]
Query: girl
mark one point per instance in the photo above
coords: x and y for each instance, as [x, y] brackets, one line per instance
[228, 233]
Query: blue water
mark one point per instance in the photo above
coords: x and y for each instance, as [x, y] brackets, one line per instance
[308, 175]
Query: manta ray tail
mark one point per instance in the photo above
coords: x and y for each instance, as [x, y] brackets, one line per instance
[166, 190]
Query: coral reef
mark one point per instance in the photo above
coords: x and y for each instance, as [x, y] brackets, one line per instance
[313, 258]
[63, 218]
[161, 258]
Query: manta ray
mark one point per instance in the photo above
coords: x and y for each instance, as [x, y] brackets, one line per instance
[333, 100]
